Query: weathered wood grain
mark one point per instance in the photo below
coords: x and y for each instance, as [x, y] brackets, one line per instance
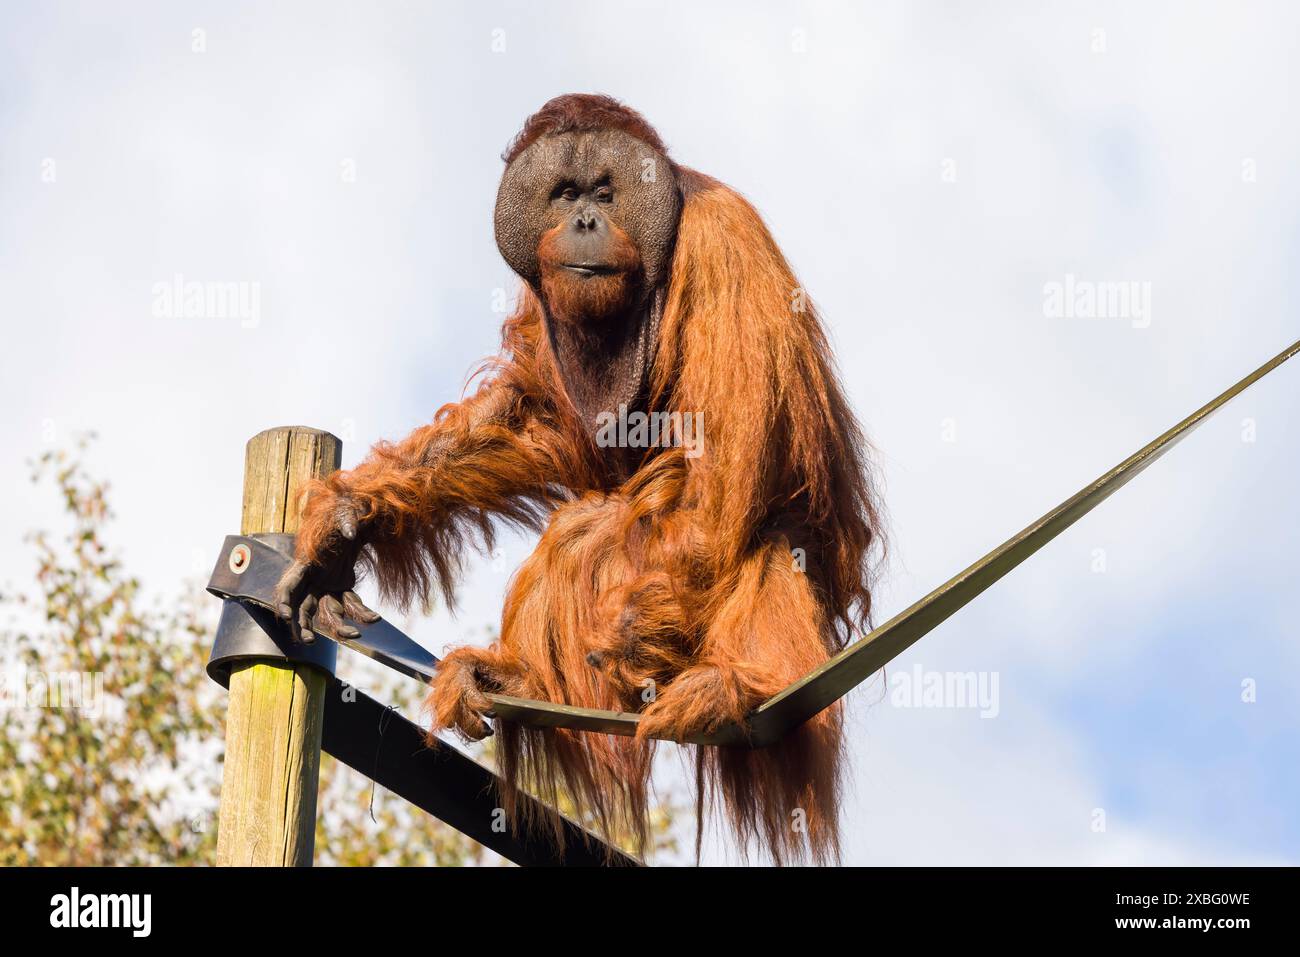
[276, 710]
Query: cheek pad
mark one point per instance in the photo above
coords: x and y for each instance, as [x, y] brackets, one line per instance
[647, 202]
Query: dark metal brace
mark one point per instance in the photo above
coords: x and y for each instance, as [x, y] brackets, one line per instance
[438, 779]
[248, 629]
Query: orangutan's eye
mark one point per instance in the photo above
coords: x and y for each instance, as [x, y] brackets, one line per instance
[565, 190]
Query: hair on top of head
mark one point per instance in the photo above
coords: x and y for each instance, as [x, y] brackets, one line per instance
[582, 112]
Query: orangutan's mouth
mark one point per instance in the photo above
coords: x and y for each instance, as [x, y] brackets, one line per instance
[591, 269]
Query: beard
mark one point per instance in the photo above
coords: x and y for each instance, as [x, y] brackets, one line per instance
[578, 299]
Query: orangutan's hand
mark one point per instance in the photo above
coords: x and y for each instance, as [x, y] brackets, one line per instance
[317, 595]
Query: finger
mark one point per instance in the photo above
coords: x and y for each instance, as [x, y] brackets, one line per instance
[329, 605]
[290, 582]
[484, 715]
[306, 612]
[331, 617]
[474, 728]
[346, 518]
[294, 632]
[324, 621]
[355, 609]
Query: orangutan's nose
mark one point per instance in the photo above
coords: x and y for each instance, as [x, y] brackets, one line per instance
[586, 221]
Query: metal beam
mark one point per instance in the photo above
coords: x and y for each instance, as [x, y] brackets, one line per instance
[384, 746]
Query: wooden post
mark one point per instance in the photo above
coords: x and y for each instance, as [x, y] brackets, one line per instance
[273, 727]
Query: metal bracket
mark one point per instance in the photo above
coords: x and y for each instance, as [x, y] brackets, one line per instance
[248, 629]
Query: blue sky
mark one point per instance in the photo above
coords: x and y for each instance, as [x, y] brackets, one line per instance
[927, 167]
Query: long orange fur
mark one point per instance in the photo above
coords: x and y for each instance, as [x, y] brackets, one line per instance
[716, 580]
